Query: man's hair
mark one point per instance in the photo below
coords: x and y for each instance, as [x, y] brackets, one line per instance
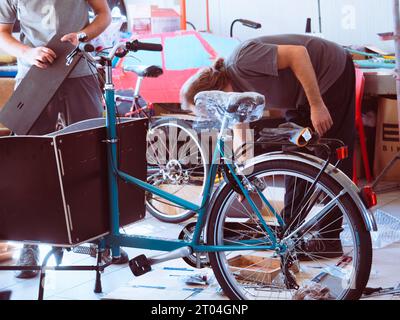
[208, 79]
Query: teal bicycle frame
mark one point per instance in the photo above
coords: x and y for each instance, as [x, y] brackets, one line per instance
[115, 239]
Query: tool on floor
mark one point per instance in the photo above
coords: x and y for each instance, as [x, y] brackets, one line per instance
[313, 291]
[178, 269]
[344, 261]
[330, 278]
[150, 287]
[379, 292]
[197, 280]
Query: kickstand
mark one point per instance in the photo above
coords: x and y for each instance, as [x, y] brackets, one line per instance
[58, 255]
[57, 252]
[98, 287]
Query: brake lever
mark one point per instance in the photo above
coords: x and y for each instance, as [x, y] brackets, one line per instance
[70, 58]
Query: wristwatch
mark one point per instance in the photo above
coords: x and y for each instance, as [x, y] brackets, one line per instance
[82, 37]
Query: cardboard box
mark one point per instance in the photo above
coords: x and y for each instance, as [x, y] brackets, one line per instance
[387, 139]
[6, 91]
[164, 20]
[147, 19]
[6, 252]
[139, 18]
[256, 269]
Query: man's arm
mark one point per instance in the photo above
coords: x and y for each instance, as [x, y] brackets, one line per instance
[99, 24]
[298, 59]
[39, 57]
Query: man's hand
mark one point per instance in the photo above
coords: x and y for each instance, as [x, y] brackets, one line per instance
[71, 38]
[321, 119]
[100, 23]
[40, 57]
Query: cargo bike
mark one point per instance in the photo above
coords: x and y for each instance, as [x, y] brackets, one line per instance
[82, 184]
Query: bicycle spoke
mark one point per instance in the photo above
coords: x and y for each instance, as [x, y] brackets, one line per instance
[294, 195]
[252, 278]
[172, 149]
[252, 217]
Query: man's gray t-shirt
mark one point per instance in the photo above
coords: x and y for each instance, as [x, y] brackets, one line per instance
[254, 67]
[41, 20]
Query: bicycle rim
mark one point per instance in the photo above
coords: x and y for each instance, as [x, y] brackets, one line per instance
[177, 165]
[266, 275]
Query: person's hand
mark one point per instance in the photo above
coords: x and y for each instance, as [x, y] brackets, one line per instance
[71, 38]
[321, 119]
[40, 57]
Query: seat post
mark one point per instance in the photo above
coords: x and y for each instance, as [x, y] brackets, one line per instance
[138, 85]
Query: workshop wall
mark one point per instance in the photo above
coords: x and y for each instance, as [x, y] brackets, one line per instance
[343, 21]
[358, 21]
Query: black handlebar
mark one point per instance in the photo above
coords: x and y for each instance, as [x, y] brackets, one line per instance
[138, 46]
[142, 46]
[129, 46]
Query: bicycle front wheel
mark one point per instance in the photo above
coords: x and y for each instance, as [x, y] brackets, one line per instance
[177, 165]
[330, 260]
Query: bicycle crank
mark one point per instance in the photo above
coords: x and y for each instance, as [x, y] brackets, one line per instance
[142, 265]
[195, 260]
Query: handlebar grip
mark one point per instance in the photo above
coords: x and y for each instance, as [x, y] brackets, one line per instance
[86, 47]
[150, 46]
[143, 46]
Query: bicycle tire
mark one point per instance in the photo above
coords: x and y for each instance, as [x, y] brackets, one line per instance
[364, 247]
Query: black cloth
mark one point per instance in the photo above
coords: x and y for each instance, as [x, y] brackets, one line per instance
[340, 100]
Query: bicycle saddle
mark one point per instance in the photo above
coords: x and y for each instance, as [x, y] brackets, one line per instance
[243, 107]
[145, 71]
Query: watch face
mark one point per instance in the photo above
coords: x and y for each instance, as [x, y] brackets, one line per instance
[82, 36]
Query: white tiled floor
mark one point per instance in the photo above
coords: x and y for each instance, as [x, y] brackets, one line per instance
[118, 281]
[80, 284]
[390, 202]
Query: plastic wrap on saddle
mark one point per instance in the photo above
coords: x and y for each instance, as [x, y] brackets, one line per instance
[240, 107]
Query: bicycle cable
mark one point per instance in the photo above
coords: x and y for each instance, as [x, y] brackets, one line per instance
[92, 66]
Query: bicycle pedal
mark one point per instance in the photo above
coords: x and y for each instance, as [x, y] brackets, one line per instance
[90, 251]
[140, 265]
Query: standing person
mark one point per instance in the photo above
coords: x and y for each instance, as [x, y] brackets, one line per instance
[79, 97]
[312, 78]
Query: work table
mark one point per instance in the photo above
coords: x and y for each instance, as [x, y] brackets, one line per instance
[380, 82]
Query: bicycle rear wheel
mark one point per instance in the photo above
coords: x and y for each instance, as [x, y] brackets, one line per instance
[176, 164]
[331, 260]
